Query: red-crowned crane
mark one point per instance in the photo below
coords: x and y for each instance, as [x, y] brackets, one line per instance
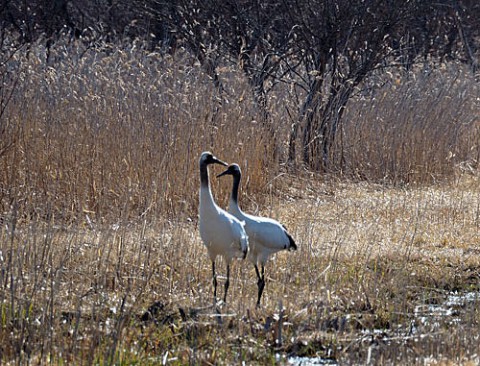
[266, 236]
[222, 233]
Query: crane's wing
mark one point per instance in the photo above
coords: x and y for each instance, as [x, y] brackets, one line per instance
[269, 233]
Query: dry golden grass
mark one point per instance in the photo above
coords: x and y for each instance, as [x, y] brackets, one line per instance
[413, 128]
[99, 191]
[368, 256]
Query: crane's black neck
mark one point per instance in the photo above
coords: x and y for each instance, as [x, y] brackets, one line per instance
[236, 184]
[204, 175]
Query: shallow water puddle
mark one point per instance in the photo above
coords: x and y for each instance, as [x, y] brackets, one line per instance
[456, 299]
[453, 306]
[453, 309]
[309, 361]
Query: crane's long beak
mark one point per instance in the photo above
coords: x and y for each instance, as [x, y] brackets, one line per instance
[223, 173]
[218, 161]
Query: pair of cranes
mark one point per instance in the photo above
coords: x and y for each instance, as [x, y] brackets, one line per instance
[234, 233]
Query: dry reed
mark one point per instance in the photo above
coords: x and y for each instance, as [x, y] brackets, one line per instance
[100, 257]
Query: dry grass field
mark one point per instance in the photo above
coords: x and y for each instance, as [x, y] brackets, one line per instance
[100, 256]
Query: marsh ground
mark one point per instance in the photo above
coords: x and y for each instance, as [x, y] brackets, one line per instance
[374, 270]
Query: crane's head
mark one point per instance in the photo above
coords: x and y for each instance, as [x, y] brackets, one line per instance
[233, 169]
[207, 158]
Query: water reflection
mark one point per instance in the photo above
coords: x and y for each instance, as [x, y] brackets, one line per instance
[309, 361]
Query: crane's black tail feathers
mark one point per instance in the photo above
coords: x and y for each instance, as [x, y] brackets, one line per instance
[292, 245]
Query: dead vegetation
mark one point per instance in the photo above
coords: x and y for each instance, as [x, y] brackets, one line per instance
[100, 257]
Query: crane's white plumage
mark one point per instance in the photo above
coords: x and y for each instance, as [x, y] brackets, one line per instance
[265, 235]
[222, 233]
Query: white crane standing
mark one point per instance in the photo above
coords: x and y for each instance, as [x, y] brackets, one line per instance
[266, 236]
[222, 233]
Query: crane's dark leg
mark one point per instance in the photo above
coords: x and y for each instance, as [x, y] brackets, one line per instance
[260, 283]
[214, 280]
[227, 284]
